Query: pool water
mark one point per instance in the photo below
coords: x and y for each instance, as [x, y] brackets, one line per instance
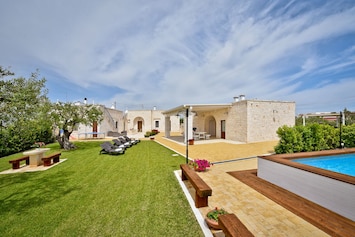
[344, 164]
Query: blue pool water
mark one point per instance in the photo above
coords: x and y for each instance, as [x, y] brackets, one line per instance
[344, 164]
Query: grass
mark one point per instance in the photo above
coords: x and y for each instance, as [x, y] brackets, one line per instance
[135, 194]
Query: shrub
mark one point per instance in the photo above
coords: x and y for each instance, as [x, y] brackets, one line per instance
[348, 135]
[151, 133]
[290, 140]
[312, 137]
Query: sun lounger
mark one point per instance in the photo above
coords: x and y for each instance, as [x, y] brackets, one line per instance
[108, 148]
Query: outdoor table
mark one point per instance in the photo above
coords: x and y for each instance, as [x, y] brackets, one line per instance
[36, 156]
[201, 135]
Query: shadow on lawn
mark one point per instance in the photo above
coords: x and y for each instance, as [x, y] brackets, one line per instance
[28, 191]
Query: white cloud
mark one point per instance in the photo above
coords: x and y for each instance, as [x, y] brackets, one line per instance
[168, 53]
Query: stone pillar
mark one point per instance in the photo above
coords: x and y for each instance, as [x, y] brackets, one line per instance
[167, 126]
[189, 125]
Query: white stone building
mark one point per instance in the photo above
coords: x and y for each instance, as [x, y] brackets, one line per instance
[134, 122]
[242, 120]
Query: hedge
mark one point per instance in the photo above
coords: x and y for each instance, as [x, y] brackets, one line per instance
[313, 137]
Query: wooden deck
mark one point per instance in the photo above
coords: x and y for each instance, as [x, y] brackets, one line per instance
[324, 219]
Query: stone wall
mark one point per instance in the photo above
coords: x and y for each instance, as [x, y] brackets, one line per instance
[150, 119]
[265, 117]
[254, 121]
[236, 124]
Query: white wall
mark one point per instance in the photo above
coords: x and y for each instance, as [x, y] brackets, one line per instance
[330, 193]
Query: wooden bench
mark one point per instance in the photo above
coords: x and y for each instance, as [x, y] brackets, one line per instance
[232, 226]
[16, 162]
[47, 161]
[202, 190]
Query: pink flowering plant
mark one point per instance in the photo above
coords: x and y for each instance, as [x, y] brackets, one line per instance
[200, 165]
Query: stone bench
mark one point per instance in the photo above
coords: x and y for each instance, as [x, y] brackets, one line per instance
[232, 226]
[47, 161]
[202, 190]
[16, 162]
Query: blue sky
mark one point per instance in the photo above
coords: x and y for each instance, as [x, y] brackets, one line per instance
[141, 54]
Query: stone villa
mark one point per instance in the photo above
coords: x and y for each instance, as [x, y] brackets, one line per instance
[242, 120]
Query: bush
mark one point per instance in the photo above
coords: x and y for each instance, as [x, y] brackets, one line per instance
[348, 135]
[290, 140]
[151, 133]
[22, 136]
[312, 137]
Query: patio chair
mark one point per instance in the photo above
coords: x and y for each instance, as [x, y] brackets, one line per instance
[120, 144]
[125, 142]
[108, 148]
[132, 140]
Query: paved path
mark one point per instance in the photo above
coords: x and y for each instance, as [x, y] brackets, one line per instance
[259, 214]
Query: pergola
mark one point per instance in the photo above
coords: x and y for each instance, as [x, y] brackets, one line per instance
[188, 111]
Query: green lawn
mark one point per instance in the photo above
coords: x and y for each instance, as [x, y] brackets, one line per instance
[135, 194]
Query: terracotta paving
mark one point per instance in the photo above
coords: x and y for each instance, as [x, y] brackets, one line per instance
[261, 215]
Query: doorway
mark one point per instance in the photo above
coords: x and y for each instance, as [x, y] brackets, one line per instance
[94, 129]
[210, 126]
[140, 126]
[223, 129]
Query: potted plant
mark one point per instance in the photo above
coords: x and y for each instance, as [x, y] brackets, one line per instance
[200, 164]
[212, 217]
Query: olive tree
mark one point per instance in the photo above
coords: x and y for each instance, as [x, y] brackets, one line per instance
[66, 117]
[23, 104]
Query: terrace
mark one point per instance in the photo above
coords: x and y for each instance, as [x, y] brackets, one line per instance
[264, 209]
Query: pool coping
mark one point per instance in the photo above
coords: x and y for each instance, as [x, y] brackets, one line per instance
[286, 159]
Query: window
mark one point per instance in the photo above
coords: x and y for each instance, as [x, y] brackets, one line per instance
[156, 124]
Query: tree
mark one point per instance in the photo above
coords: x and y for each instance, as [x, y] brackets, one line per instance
[5, 72]
[349, 117]
[67, 116]
[23, 104]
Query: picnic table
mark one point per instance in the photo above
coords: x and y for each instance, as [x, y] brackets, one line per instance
[36, 156]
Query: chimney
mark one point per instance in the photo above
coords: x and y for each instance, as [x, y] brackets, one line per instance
[242, 97]
[236, 98]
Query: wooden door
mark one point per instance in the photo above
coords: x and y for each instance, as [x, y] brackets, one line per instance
[223, 129]
[140, 125]
[94, 128]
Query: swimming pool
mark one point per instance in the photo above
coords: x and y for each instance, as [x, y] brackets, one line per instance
[332, 190]
[344, 164]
